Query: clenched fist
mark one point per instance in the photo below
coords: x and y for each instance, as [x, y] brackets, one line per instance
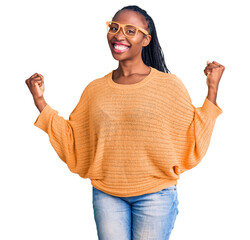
[213, 71]
[36, 85]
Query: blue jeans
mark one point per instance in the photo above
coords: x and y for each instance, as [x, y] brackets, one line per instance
[144, 217]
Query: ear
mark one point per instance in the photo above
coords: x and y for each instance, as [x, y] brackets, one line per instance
[146, 40]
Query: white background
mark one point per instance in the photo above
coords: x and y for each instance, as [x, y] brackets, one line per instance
[66, 42]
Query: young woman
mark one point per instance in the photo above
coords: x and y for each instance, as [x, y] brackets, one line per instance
[133, 132]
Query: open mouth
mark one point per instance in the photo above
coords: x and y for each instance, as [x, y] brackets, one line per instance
[119, 48]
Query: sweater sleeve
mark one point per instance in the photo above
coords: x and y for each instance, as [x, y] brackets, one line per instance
[195, 131]
[64, 135]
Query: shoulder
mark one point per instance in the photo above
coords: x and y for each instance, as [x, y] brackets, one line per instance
[96, 83]
[175, 85]
[167, 77]
[93, 86]
[179, 86]
[170, 80]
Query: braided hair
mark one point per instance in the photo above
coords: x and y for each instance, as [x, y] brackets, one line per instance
[152, 54]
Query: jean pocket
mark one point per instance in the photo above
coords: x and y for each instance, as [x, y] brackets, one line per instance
[168, 189]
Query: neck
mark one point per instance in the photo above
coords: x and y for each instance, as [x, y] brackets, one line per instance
[128, 67]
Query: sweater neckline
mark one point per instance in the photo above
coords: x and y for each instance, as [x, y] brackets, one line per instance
[129, 86]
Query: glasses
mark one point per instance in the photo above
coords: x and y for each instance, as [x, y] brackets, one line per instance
[129, 30]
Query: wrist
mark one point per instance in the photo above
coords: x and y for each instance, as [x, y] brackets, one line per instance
[213, 89]
[212, 95]
[38, 99]
[40, 103]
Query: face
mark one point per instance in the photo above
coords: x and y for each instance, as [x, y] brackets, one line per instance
[136, 43]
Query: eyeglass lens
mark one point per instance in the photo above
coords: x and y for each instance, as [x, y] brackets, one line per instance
[129, 30]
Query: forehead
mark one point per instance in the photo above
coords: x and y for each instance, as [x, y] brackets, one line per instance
[131, 17]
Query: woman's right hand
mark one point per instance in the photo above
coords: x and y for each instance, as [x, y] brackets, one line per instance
[36, 85]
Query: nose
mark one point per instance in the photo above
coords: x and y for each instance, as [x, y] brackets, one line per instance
[120, 33]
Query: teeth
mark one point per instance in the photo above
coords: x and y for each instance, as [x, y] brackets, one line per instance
[120, 47]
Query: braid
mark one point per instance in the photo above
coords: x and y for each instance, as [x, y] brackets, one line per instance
[152, 54]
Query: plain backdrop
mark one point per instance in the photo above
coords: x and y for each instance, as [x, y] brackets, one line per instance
[66, 42]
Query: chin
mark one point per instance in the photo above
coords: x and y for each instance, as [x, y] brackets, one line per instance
[118, 57]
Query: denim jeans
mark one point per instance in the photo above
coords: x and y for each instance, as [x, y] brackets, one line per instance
[144, 217]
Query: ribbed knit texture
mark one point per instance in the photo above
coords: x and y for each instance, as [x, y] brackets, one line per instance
[132, 139]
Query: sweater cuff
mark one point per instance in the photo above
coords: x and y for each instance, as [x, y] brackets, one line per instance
[211, 109]
[43, 118]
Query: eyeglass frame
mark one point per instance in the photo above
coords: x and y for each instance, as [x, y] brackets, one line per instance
[120, 25]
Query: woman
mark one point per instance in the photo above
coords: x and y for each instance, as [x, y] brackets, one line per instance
[133, 132]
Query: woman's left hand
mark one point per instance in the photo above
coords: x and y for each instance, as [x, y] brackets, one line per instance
[213, 71]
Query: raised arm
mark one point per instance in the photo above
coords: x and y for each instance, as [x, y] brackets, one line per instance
[63, 134]
[197, 125]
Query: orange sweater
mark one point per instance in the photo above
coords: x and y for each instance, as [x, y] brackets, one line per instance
[132, 139]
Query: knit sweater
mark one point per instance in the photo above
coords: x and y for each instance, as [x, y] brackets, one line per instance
[132, 139]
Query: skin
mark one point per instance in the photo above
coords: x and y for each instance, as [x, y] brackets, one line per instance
[131, 68]
[213, 71]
